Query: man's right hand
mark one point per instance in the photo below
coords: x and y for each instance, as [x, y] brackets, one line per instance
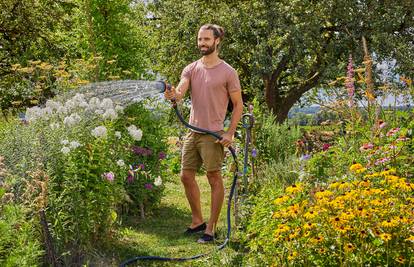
[170, 94]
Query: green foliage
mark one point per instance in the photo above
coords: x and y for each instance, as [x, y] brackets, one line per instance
[282, 49]
[274, 141]
[19, 237]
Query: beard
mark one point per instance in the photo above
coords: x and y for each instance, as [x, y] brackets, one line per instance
[208, 51]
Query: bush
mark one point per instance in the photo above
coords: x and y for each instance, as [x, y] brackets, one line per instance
[92, 154]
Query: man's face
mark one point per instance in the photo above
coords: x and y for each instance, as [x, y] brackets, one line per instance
[206, 42]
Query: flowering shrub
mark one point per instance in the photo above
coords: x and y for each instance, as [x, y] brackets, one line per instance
[97, 155]
[361, 215]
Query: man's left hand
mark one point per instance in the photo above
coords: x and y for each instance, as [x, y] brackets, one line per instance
[227, 139]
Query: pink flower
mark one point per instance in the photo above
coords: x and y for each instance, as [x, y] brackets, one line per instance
[365, 147]
[326, 147]
[148, 186]
[381, 161]
[110, 176]
[349, 83]
[130, 178]
[392, 132]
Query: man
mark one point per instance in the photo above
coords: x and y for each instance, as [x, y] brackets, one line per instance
[213, 83]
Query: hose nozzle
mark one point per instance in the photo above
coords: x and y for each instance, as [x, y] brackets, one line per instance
[162, 86]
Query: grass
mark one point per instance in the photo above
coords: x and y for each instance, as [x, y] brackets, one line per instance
[161, 233]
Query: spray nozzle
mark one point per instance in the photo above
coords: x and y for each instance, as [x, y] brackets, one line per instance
[162, 86]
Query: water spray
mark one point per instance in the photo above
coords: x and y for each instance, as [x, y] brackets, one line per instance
[161, 86]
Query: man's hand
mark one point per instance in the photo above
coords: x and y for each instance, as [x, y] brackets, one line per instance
[227, 139]
[170, 94]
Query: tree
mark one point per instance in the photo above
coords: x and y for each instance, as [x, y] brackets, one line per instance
[282, 49]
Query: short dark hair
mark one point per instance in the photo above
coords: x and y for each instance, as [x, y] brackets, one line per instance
[218, 31]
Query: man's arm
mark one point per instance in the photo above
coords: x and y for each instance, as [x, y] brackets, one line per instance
[179, 92]
[237, 101]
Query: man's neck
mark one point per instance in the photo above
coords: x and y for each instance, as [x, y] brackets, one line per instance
[211, 60]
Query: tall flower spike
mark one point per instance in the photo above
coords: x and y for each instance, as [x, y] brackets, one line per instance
[349, 83]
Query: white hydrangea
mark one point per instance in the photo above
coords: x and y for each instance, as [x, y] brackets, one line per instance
[65, 150]
[99, 111]
[94, 102]
[99, 131]
[74, 144]
[135, 133]
[110, 114]
[33, 113]
[107, 103]
[120, 163]
[72, 120]
[119, 109]
[158, 181]
[118, 134]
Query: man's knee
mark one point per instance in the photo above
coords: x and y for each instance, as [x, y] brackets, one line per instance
[187, 177]
[214, 178]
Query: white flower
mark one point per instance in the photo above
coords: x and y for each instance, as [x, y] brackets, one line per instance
[120, 163]
[99, 111]
[158, 181]
[74, 144]
[62, 110]
[110, 114]
[54, 126]
[33, 113]
[65, 150]
[135, 133]
[64, 142]
[99, 131]
[94, 103]
[119, 109]
[70, 104]
[118, 134]
[72, 119]
[53, 104]
[107, 104]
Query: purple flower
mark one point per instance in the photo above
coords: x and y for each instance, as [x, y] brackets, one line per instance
[109, 176]
[141, 166]
[349, 84]
[141, 151]
[254, 153]
[130, 178]
[148, 186]
[305, 157]
[161, 155]
[383, 160]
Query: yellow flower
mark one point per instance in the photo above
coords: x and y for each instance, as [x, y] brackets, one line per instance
[342, 229]
[356, 167]
[387, 172]
[172, 140]
[283, 228]
[292, 255]
[323, 194]
[410, 239]
[389, 223]
[349, 247]
[280, 200]
[385, 237]
[360, 170]
[294, 188]
[310, 214]
[317, 239]
[309, 226]
[293, 210]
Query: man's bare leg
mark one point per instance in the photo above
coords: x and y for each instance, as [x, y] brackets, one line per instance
[217, 198]
[193, 196]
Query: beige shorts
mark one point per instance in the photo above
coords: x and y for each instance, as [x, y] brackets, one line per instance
[202, 148]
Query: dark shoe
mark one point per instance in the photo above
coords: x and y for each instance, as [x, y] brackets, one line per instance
[206, 238]
[200, 228]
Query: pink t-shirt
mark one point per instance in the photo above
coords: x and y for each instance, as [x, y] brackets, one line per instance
[210, 89]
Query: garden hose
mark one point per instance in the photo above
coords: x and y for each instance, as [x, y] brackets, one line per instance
[162, 86]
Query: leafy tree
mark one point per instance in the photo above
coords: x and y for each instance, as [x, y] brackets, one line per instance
[282, 49]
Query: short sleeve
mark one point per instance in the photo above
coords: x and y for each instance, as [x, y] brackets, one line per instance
[186, 73]
[233, 82]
